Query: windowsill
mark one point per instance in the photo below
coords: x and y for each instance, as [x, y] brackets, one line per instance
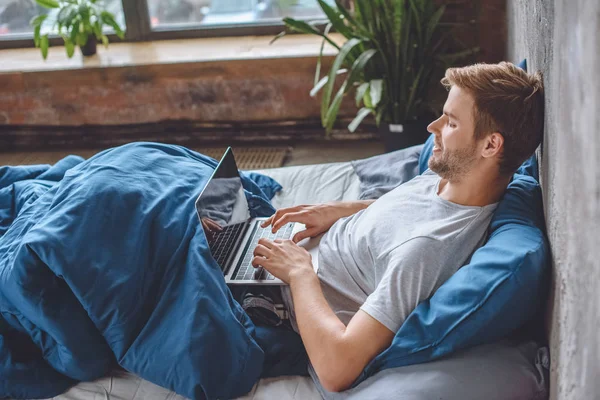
[166, 52]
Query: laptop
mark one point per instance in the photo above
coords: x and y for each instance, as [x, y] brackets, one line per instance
[233, 234]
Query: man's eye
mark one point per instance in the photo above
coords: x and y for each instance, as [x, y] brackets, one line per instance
[450, 124]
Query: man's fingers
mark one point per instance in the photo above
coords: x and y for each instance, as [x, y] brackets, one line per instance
[280, 213]
[267, 222]
[273, 217]
[265, 242]
[261, 250]
[210, 225]
[214, 225]
[303, 235]
[290, 217]
[259, 262]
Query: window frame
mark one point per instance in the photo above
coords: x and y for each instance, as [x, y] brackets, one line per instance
[139, 29]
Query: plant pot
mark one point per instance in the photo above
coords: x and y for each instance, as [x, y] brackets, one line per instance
[89, 49]
[400, 136]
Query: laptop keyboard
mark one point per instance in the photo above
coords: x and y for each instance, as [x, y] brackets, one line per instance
[246, 270]
[222, 243]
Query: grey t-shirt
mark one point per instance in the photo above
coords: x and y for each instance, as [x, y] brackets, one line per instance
[391, 256]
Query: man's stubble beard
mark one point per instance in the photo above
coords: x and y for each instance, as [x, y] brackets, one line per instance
[453, 165]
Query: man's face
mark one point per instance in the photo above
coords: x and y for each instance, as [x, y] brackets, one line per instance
[455, 150]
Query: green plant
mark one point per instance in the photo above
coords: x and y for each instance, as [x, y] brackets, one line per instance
[75, 21]
[393, 48]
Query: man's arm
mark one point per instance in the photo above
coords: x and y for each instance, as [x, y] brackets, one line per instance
[337, 353]
[317, 218]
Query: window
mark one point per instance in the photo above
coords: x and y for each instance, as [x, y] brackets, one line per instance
[16, 14]
[228, 12]
[165, 19]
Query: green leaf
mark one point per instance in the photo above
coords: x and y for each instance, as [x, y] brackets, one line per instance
[367, 99]
[97, 27]
[322, 82]
[109, 20]
[433, 22]
[398, 21]
[69, 46]
[48, 23]
[48, 3]
[337, 64]
[303, 27]
[362, 114]
[66, 14]
[376, 90]
[352, 21]
[336, 20]
[74, 32]
[413, 89]
[44, 44]
[36, 21]
[333, 111]
[278, 36]
[81, 38]
[36, 35]
[318, 69]
[105, 41]
[379, 115]
[417, 16]
[84, 11]
[360, 92]
[355, 72]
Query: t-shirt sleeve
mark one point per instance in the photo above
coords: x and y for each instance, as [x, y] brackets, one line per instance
[414, 271]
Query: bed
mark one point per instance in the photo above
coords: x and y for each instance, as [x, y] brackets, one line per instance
[301, 184]
[488, 365]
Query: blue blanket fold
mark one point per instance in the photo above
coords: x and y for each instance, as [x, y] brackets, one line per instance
[103, 262]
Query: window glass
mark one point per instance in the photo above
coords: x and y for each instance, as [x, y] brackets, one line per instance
[16, 14]
[229, 12]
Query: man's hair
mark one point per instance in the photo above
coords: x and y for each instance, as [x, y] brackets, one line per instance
[508, 100]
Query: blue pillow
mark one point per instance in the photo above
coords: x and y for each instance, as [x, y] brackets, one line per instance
[498, 291]
[425, 154]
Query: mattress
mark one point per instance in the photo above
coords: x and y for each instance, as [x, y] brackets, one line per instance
[310, 184]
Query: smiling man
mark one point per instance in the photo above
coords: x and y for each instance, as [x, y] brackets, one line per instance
[379, 259]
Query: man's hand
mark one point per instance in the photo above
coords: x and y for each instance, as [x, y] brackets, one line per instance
[282, 258]
[317, 218]
[211, 228]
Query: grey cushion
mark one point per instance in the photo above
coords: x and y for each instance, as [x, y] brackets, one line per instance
[498, 371]
[381, 173]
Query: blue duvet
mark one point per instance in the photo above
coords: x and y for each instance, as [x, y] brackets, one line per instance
[103, 262]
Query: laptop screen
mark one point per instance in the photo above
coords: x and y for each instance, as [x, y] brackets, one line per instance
[223, 200]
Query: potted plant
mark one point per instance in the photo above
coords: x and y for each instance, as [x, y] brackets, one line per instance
[392, 51]
[78, 22]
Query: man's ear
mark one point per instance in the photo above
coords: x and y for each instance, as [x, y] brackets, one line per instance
[494, 144]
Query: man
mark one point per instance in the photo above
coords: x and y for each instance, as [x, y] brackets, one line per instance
[379, 259]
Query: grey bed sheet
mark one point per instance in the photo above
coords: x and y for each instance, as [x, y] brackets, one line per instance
[498, 371]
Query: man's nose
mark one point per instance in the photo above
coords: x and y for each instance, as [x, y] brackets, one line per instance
[432, 127]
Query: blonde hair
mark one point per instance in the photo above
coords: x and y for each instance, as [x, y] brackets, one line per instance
[508, 100]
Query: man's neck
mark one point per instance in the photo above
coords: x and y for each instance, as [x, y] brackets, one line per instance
[473, 191]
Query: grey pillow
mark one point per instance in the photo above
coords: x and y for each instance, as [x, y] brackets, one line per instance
[381, 173]
[498, 371]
